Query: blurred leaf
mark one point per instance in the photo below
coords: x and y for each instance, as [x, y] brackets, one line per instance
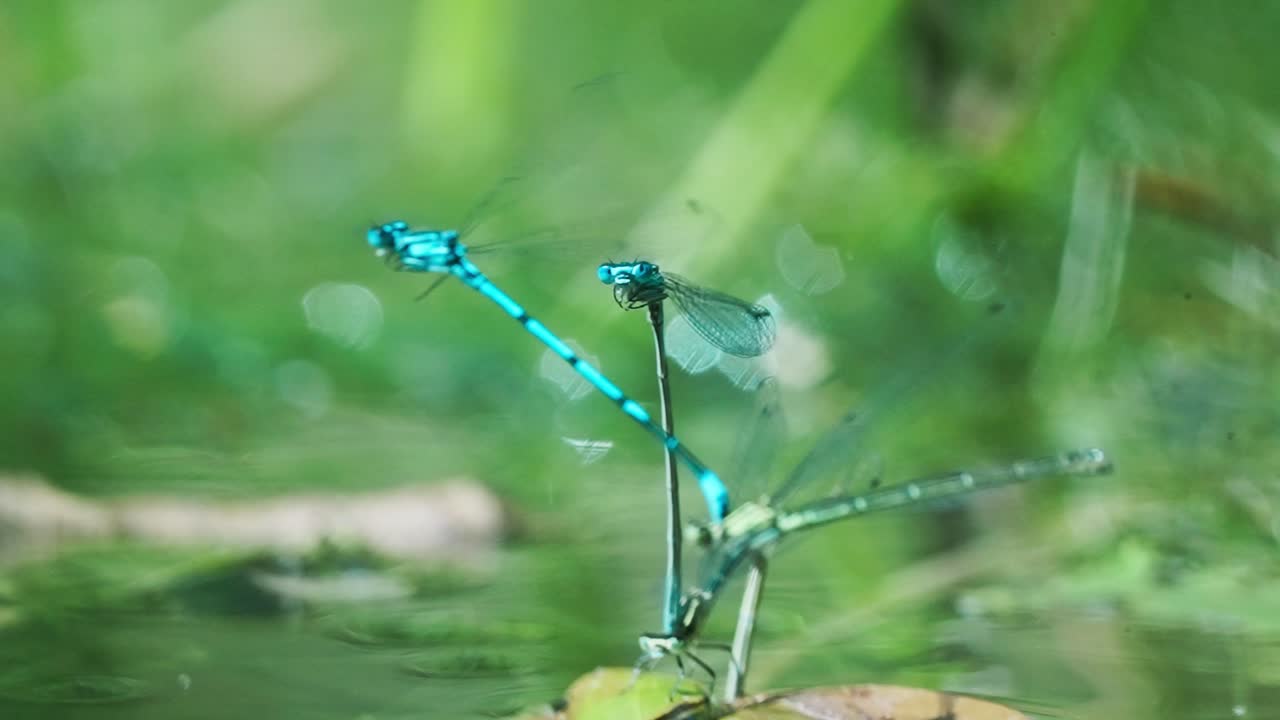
[616, 694]
[608, 693]
[870, 702]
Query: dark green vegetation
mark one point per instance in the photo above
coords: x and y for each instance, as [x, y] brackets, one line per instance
[187, 309]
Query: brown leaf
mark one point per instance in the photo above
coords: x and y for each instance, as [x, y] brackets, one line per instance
[869, 702]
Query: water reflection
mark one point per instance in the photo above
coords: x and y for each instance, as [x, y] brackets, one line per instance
[138, 312]
[348, 314]
[76, 689]
[968, 265]
[304, 385]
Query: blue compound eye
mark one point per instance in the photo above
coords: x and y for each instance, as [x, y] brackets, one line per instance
[383, 237]
[645, 269]
[605, 273]
[379, 237]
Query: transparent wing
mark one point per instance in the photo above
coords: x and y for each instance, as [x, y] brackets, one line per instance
[546, 213]
[504, 193]
[583, 194]
[754, 456]
[735, 326]
[719, 564]
[555, 201]
[837, 454]
[846, 452]
[759, 439]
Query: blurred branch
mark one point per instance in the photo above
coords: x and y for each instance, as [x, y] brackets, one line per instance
[455, 522]
[1055, 117]
[777, 113]
[1196, 203]
[457, 81]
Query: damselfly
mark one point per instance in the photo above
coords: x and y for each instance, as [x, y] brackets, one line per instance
[441, 251]
[755, 528]
[736, 327]
[751, 531]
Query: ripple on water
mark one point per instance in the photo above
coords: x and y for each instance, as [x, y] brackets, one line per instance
[76, 689]
[466, 664]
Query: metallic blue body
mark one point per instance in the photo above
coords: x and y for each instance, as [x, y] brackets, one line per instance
[440, 251]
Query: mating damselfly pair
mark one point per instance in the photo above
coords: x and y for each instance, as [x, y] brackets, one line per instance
[752, 531]
[748, 533]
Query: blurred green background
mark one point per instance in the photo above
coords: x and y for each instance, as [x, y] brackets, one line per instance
[189, 312]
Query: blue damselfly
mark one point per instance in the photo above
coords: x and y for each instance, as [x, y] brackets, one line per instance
[441, 251]
[732, 325]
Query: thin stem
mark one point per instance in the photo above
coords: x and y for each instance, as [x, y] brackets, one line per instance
[671, 603]
[740, 653]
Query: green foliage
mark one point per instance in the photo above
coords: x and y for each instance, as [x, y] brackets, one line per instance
[188, 309]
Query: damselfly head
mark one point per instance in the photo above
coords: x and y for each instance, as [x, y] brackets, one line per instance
[642, 272]
[635, 285]
[382, 238]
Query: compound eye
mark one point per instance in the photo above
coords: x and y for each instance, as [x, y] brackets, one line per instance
[378, 237]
